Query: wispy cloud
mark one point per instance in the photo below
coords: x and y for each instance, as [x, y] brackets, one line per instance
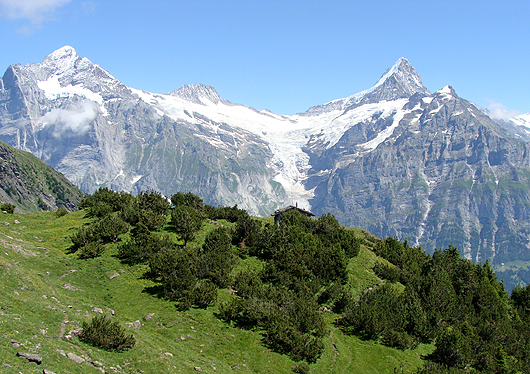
[501, 112]
[76, 120]
[36, 11]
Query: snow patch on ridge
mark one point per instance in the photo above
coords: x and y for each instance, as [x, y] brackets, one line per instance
[386, 133]
[522, 120]
[53, 90]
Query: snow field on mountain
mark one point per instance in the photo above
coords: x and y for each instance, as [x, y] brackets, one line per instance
[286, 135]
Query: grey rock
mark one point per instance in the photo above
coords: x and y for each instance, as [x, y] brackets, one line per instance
[137, 324]
[45, 371]
[67, 286]
[75, 358]
[149, 316]
[97, 310]
[30, 357]
[75, 332]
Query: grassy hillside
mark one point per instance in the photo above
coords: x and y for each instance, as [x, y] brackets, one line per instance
[31, 185]
[46, 292]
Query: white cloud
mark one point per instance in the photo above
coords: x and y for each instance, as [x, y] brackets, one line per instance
[75, 120]
[501, 112]
[36, 11]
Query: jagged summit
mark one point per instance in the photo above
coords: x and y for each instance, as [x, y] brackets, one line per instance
[402, 76]
[61, 60]
[401, 81]
[197, 93]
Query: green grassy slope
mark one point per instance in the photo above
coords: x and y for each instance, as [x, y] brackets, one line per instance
[45, 292]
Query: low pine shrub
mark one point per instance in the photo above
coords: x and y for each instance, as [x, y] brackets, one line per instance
[91, 250]
[107, 334]
[60, 212]
[301, 368]
[8, 208]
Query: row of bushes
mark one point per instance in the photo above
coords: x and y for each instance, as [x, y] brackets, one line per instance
[448, 300]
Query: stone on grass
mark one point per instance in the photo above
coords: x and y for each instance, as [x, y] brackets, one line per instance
[74, 357]
[67, 286]
[149, 316]
[137, 324]
[31, 357]
[98, 310]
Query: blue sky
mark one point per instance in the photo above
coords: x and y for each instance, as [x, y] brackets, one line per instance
[287, 55]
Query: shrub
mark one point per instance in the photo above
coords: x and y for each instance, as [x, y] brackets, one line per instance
[217, 258]
[204, 294]
[8, 208]
[301, 368]
[60, 212]
[107, 334]
[143, 245]
[91, 250]
[187, 199]
[84, 235]
[110, 227]
[153, 201]
[186, 221]
[388, 272]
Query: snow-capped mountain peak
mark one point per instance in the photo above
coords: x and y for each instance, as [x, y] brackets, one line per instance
[399, 82]
[197, 93]
[61, 60]
[403, 73]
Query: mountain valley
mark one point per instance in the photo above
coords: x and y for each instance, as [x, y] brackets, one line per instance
[395, 160]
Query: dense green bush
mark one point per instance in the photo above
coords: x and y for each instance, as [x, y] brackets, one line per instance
[217, 258]
[84, 235]
[302, 368]
[107, 334]
[387, 271]
[91, 250]
[153, 201]
[143, 245]
[8, 208]
[186, 221]
[202, 295]
[176, 269]
[187, 199]
[448, 300]
[110, 227]
[105, 201]
[60, 212]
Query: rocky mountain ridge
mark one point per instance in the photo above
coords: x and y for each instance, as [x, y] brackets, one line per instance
[395, 159]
